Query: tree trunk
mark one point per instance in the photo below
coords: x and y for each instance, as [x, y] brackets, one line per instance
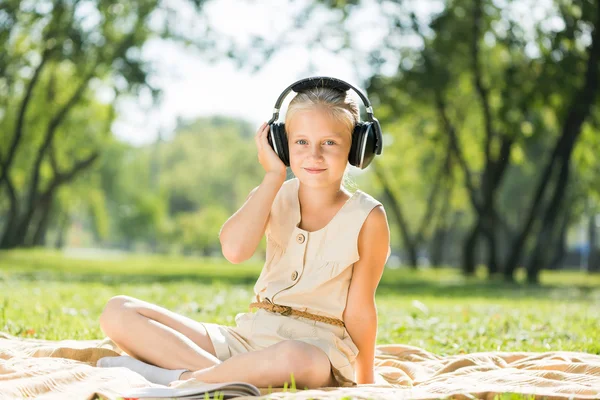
[62, 231]
[13, 214]
[537, 258]
[441, 231]
[551, 214]
[437, 247]
[44, 211]
[34, 193]
[492, 244]
[19, 235]
[470, 250]
[560, 245]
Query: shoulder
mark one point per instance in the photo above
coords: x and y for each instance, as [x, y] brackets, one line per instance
[374, 236]
[287, 191]
[366, 201]
[290, 183]
[372, 212]
[284, 200]
[376, 222]
[287, 186]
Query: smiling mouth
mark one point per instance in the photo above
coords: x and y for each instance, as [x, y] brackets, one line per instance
[314, 170]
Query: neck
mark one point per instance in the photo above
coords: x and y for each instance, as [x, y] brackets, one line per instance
[311, 198]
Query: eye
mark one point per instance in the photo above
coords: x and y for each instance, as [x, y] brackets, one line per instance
[301, 140]
[330, 141]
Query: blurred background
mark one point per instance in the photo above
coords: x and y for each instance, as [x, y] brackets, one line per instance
[127, 126]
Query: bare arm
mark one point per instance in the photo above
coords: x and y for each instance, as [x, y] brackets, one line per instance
[242, 232]
[360, 315]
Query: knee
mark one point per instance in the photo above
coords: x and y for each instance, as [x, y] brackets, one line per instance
[112, 316]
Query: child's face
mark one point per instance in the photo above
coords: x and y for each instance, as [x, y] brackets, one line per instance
[319, 147]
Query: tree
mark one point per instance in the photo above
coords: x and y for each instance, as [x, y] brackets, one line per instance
[57, 56]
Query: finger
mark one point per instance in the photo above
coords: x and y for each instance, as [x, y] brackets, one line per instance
[265, 136]
[265, 131]
[260, 129]
[258, 134]
[264, 139]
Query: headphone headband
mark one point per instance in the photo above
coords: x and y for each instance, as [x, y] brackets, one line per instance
[332, 83]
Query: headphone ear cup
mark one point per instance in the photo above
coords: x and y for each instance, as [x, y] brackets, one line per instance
[362, 150]
[353, 158]
[278, 141]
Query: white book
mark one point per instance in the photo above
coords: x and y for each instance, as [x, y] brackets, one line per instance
[227, 390]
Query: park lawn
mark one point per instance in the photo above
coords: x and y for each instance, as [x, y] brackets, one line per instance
[51, 295]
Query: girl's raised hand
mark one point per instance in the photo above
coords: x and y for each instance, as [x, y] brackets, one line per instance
[267, 157]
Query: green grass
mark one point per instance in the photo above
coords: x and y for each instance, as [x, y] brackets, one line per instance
[49, 295]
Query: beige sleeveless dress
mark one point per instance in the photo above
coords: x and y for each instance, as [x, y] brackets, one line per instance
[309, 271]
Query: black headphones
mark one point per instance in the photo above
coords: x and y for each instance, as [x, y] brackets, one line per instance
[366, 136]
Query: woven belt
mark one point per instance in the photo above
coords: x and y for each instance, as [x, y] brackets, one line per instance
[286, 310]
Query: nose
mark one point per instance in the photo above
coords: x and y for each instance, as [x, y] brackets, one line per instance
[316, 152]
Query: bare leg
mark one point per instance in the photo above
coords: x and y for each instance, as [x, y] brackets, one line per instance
[273, 366]
[156, 335]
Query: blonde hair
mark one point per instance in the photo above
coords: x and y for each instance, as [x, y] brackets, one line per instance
[340, 106]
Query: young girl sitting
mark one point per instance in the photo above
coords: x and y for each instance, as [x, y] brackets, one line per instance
[326, 250]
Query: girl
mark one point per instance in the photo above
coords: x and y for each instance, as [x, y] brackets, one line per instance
[326, 250]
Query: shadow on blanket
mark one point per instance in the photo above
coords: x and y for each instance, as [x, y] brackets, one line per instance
[47, 369]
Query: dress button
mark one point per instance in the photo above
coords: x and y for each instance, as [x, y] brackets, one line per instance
[300, 238]
[294, 275]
